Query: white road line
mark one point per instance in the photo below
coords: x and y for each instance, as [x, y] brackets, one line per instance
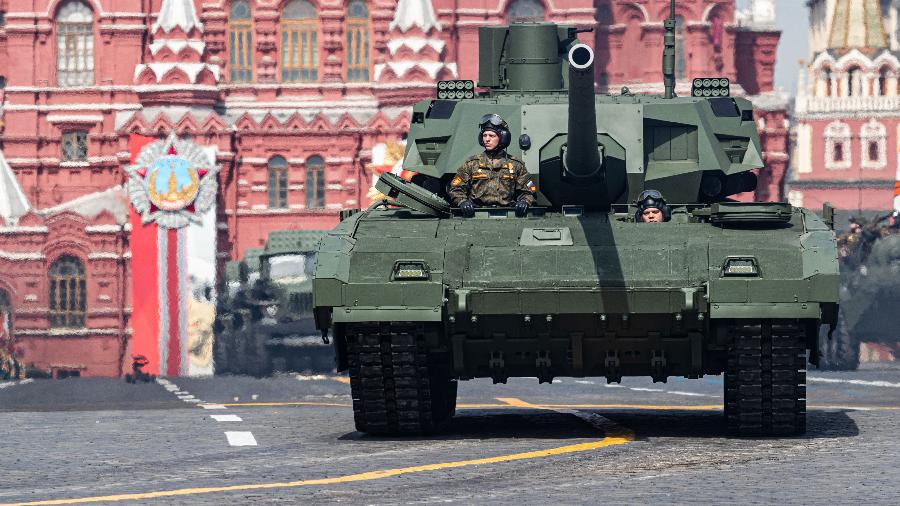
[584, 382]
[226, 418]
[240, 438]
[212, 406]
[312, 377]
[192, 401]
[817, 379]
[7, 384]
[638, 389]
[689, 394]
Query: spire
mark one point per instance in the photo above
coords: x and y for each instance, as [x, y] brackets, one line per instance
[13, 203]
[857, 24]
[414, 13]
[180, 13]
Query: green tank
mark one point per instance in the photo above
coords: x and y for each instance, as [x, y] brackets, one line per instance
[417, 297]
[264, 320]
[870, 287]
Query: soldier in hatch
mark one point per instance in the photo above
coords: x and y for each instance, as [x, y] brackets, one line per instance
[492, 178]
[652, 208]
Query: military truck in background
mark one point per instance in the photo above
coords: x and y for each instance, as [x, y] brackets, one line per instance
[418, 297]
[264, 321]
[869, 256]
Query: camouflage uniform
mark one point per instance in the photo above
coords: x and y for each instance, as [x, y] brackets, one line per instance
[500, 180]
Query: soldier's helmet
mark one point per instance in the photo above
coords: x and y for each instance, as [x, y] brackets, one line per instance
[654, 199]
[496, 124]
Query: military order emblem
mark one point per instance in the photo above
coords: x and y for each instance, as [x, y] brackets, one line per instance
[172, 182]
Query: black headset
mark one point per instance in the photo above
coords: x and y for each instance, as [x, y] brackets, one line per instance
[496, 124]
[652, 198]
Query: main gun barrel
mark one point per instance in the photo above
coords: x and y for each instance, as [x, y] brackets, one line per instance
[582, 156]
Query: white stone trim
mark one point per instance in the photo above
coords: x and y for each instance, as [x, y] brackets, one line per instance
[873, 131]
[31, 297]
[103, 229]
[74, 118]
[6, 230]
[104, 255]
[16, 255]
[73, 107]
[838, 132]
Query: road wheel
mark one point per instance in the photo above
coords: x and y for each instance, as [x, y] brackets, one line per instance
[765, 384]
[841, 351]
[397, 388]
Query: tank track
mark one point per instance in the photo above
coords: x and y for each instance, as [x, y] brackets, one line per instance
[765, 384]
[398, 388]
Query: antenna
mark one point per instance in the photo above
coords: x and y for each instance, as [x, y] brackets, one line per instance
[669, 54]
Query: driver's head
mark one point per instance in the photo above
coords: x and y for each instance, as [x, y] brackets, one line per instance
[493, 132]
[652, 207]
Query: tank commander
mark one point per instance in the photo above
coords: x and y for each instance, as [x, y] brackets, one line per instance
[494, 177]
[652, 208]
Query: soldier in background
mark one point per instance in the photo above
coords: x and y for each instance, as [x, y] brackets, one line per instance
[652, 208]
[494, 177]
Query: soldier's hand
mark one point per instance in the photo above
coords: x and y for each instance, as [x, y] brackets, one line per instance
[521, 209]
[467, 208]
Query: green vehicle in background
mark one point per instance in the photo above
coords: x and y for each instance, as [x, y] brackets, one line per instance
[264, 320]
[418, 297]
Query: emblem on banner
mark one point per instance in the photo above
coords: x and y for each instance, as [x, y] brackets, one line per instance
[172, 183]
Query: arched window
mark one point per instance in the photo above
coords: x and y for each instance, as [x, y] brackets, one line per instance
[853, 85]
[315, 182]
[883, 82]
[873, 136]
[240, 42]
[838, 152]
[67, 292]
[299, 42]
[837, 144]
[680, 57]
[524, 10]
[604, 15]
[873, 151]
[75, 44]
[6, 331]
[827, 77]
[357, 41]
[278, 182]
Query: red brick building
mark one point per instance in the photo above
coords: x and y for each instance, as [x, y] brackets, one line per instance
[298, 98]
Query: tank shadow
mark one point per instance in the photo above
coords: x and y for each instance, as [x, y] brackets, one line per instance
[487, 424]
[711, 424]
[540, 424]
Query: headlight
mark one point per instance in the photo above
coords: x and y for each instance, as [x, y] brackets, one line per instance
[272, 310]
[740, 267]
[410, 270]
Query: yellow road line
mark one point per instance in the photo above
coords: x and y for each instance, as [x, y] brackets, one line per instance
[617, 438]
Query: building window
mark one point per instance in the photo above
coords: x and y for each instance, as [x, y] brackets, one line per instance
[874, 144]
[6, 332]
[525, 10]
[74, 146]
[357, 41]
[853, 82]
[827, 78]
[67, 292]
[837, 143]
[240, 42]
[299, 42]
[315, 182]
[75, 45]
[278, 183]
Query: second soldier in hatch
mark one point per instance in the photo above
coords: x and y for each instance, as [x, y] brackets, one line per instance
[494, 177]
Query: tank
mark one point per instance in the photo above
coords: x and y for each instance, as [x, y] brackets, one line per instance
[264, 320]
[870, 287]
[417, 297]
